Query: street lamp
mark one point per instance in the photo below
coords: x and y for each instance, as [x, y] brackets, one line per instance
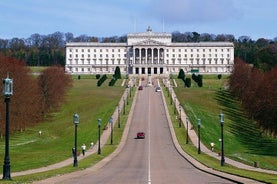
[118, 118]
[171, 96]
[124, 108]
[127, 96]
[221, 117]
[99, 126]
[7, 92]
[198, 124]
[175, 105]
[111, 123]
[187, 137]
[180, 119]
[76, 122]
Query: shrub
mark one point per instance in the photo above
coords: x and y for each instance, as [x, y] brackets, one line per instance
[188, 82]
[101, 80]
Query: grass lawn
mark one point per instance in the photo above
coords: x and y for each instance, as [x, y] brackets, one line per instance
[28, 150]
[243, 140]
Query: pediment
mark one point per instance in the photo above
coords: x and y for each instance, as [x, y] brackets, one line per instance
[150, 42]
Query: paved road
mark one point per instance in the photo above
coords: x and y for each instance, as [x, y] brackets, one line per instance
[150, 160]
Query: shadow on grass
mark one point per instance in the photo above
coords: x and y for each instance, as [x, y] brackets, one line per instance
[246, 131]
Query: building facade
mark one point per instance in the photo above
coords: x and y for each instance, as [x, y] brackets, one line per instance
[149, 53]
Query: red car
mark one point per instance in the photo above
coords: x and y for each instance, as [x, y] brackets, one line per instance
[140, 135]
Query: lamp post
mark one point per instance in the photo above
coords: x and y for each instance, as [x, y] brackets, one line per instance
[124, 108]
[180, 119]
[76, 122]
[221, 117]
[171, 97]
[198, 125]
[111, 123]
[99, 126]
[187, 137]
[175, 105]
[7, 92]
[127, 96]
[118, 118]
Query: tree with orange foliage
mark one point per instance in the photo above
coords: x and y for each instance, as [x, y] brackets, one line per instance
[24, 106]
[257, 91]
[52, 85]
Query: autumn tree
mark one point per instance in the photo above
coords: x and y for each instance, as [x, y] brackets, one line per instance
[257, 91]
[52, 84]
[25, 101]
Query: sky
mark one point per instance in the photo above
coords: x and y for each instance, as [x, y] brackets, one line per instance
[106, 18]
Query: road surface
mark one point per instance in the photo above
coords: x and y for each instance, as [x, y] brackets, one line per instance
[153, 160]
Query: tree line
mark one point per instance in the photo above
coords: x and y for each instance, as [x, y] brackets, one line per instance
[257, 90]
[33, 96]
[47, 50]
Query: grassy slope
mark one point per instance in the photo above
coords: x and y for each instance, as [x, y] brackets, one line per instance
[243, 140]
[28, 150]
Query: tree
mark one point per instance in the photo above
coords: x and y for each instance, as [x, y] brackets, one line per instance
[181, 74]
[25, 101]
[53, 83]
[117, 73]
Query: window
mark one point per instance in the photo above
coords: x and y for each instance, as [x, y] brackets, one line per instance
[76, 55]
[100, 50]
[76, 50]
[70, 50]
[88, 50]
[88, 55]
[70, 55]
[82, 50]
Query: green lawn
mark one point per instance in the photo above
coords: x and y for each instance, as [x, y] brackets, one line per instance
[243, 140]
[29, 150]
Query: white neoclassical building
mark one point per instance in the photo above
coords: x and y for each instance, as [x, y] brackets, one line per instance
[149, 53]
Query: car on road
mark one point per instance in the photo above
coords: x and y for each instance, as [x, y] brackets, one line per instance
[140, 135]
[140, 88]
[158, 89]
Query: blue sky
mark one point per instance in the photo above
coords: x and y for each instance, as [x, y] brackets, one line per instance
[104, 18]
